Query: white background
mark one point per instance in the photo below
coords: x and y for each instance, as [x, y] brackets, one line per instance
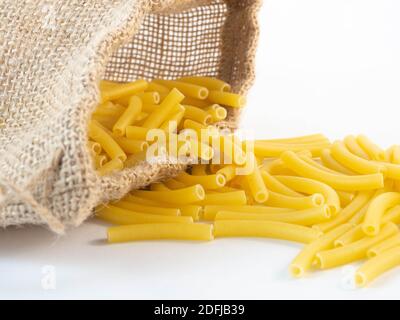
[322, 66]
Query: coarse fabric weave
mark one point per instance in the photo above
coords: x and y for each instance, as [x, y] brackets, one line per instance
[53, 54]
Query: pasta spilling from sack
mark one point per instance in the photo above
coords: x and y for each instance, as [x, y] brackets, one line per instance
[341, 200]
[132, 115]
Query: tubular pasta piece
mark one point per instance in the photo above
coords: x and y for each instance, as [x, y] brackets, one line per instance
[197, 114]
[373, 151]
[147, 209]
[352, 144]
[310, 186]
[122, 90]
[173, 231]
[216, 112]
[381, 247]
[210, 211]
[109, 145]
[210, 83]
[273, 184]
[212, 181]
[227, 99]
[354, 251]
[304, 259]
[377, 265]
[149, 97]
[186, 195]
[341, 182]
[158, 116]
[121, 216]
[233, 198]
[280, 200]
[312, 138]
[269, 149]
[255, 182]
[355, 163]
[331, 163]
[131, 146]
[188, 89]
[265, 229]
[376, 210]
[361, 199]
[305, 217]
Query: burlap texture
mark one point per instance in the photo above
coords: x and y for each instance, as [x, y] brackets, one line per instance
[53, 54]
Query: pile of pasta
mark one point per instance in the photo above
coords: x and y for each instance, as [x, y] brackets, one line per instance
[127, 113]
[341, 200]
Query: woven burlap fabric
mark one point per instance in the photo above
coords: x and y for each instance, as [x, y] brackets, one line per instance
[52, 57]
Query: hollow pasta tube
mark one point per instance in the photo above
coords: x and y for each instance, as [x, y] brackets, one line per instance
[188, 89]
[196, 102]
[210, 211]
[280, 200]
[227, 99]
[373, 151]
[150, 97]
[156, 231]
[330, 163]
[186, 195]
[265, 229]
[119, 216]
[376, 210]
[354, 251]
[232, 150]
[95, 147]
[304, 259]
[212, 181]
[109, 145]
[389, 243]
[347, 213]
[237, 198]
[158, 186]
[197, 114]
[115, 164]
[158, 116]
[256, 183]
[157, 87]
[349, 237]
[122, 90]
[310, 186]
[312, 138]
[147, 209]
[210, 83]
[130, 145]
[268, 149]
[275, 185]
[100, 160]
[341, 182]
[228, 171]
[216, 112]
[174, 184]
[376, 266]
[137, 133]
[109, 109]
[345, 197]
[305, 217]
[173, 122]
[352, 144]
[355, 163]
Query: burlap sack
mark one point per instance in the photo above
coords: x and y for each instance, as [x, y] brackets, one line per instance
[53, 54]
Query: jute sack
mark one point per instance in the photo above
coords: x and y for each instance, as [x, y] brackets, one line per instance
[53, 54]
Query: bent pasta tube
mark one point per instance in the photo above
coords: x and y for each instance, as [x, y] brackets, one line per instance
[109, 145]
[355, 163]
[352, 144]
[347, 213]
[233, 198]
[280, 200]
[304, 259]
[211, 181]
[354, 251]
[305, 217]
[115, 164]
[377, 265]
[376, 210]
[210, 211]
[310, 186]
[186, 195]
[273, 184]
[330, 163]
[121, 216]
[210, 83]
[341, 182]
[265, 229]
[373, 151]
[157, 231]
[385, 245]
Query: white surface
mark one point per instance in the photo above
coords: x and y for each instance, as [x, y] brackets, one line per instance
[323, 66]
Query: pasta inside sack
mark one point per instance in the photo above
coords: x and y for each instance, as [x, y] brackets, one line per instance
[340, 200]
